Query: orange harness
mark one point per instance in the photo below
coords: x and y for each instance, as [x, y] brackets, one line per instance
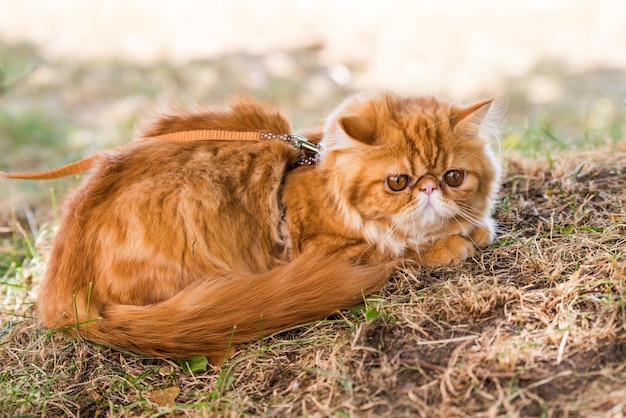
[184, 136]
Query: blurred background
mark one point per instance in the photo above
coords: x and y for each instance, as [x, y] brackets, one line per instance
[76, 76]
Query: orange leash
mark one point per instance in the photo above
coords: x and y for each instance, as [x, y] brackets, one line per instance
[183, 136]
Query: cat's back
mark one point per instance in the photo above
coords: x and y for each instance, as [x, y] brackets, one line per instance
[210, 170]
[158, 209]
[206, 174]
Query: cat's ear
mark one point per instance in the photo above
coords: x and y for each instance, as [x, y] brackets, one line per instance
[467, 119]
[359, 127]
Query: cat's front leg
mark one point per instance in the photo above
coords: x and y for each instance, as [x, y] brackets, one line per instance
[448, 251]
[453, 249]
[483, 235]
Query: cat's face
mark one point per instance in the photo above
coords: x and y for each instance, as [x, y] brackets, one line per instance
[406, 170]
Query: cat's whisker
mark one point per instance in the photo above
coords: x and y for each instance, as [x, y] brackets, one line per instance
[366, 250]
[470, 219]
[465, 230]
[465, 208]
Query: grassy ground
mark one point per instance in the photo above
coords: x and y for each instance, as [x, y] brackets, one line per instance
[533, 326]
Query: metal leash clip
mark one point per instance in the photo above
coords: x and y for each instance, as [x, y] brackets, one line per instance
[298, 141]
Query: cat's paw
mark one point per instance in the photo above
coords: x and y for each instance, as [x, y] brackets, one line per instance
[217, 358]
[483, 236]
[448, 251]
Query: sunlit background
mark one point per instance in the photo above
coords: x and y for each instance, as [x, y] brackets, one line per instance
[76, 76]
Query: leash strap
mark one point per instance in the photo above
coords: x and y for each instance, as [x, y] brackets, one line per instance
[85, 164]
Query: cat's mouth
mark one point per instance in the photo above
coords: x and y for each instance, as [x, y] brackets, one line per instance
[431, 210]
[428, 203]
[429, 215]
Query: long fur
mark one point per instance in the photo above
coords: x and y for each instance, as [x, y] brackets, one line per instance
[212, 316]
[175, 249]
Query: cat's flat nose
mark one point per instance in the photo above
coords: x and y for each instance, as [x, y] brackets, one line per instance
[428, 188]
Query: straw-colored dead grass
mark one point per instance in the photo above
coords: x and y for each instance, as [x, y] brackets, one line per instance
[534, 326]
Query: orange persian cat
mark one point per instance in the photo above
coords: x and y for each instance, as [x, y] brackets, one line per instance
[189, 248]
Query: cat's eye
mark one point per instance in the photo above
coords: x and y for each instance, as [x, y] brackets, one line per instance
[454, 178]
[397, 183]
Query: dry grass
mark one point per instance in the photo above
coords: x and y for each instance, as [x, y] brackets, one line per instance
[534, 326]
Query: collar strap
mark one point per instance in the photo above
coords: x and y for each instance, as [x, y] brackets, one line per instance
[297, 141]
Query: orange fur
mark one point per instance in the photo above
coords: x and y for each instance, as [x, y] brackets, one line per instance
[175, 249]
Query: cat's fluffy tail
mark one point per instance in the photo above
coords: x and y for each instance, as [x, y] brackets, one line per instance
[211, 316]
